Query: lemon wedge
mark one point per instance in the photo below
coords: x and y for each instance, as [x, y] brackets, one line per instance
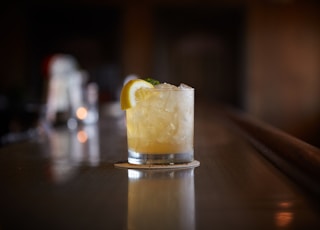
[132, 92]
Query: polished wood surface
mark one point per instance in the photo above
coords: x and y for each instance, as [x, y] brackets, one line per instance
[67, 180]
[297, 159]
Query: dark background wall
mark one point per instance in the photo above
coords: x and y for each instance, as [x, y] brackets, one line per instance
[260, 57]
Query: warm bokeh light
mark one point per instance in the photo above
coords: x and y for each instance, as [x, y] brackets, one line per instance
[82, 113]
[283, 219]
[285, 204]
[82, 136]
[284, 216]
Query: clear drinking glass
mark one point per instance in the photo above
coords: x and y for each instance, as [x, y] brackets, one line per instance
[160, 128]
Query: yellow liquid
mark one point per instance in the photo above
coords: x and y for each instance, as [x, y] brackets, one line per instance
[162, 123]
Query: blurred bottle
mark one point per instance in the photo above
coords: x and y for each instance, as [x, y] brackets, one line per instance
[91, 104]
[65, 90]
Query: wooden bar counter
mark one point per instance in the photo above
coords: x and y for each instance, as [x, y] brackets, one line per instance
[250, 176]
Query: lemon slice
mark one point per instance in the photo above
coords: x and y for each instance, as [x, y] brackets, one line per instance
[133, 92]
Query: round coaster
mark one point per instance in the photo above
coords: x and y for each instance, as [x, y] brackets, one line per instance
[127, 165]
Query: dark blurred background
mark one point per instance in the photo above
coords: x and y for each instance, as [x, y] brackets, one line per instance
[258, 56]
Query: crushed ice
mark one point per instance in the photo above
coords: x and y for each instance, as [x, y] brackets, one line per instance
[170, 86]
[165, 86]
[184, 86]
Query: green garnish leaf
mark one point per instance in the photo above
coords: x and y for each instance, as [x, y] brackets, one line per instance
[152, 81]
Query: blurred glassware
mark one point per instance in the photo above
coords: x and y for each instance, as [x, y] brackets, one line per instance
[89, 114]
[65, 90]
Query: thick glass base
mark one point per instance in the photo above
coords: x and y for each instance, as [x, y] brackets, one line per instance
[163, 158]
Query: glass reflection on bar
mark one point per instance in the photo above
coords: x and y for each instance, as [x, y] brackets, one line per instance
[70, 149]
[161, 199]
[93, 144]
